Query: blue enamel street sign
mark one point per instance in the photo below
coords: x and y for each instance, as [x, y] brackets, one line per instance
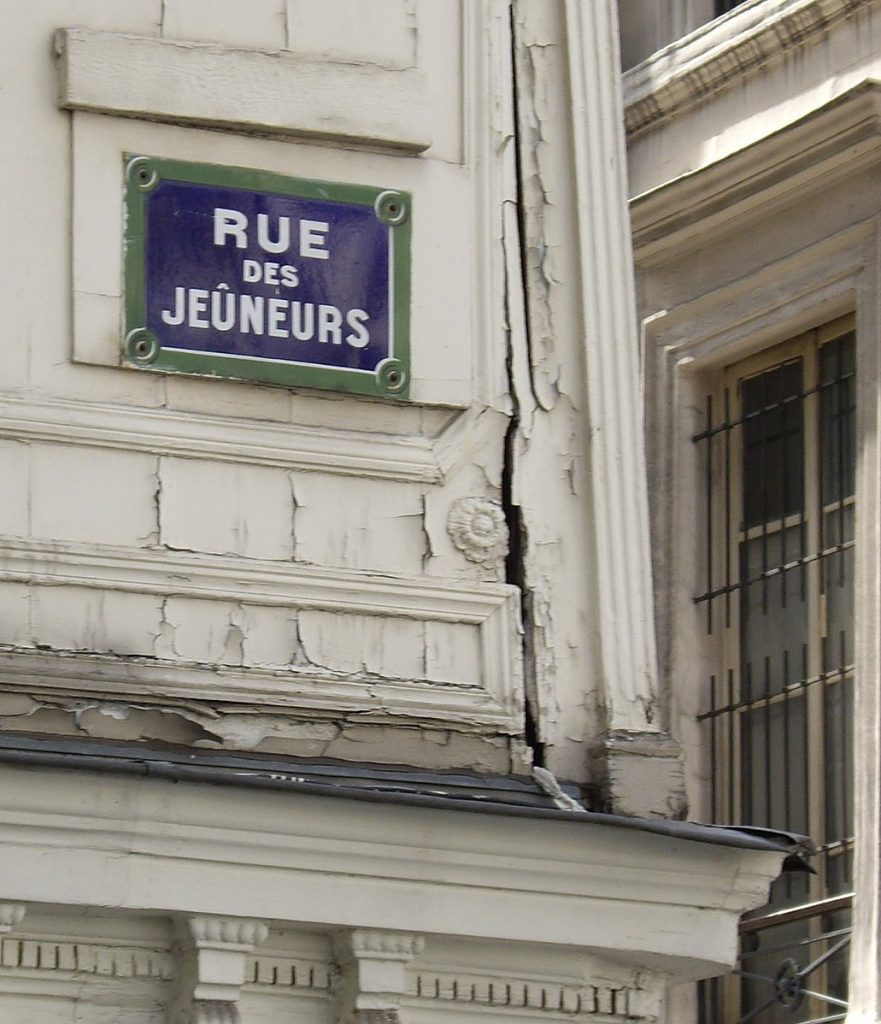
[246, 274]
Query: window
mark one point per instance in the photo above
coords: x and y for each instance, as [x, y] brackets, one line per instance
[724, 6]
[778, 454]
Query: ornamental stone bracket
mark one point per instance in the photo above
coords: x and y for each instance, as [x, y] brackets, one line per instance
[214, 957]
[11, 914]
[373, 975]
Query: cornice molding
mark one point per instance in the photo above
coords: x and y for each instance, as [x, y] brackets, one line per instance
[226, 932]
[63, 956]
[534, 994]
[221, 87]
[91, 958]
[371, 942]
[350, 866]
[835, 141]
[328, 449]
[494, 705]
[279, 972]
[721, 54]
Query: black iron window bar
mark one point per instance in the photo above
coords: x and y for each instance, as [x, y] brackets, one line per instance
[778, 451]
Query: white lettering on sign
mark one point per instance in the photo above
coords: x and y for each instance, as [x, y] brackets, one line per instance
[270, 273]
[311, 237]
[276, 317]
[230, 222]
[312, 234]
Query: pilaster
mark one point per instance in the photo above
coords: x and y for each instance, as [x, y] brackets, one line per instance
[628, 758]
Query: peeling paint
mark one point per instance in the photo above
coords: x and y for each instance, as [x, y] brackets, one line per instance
[164, 644]
[234, 649]
[546, 450]
[294, 506]
[429, 549]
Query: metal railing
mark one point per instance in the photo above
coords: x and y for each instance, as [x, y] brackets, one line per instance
[792, 968]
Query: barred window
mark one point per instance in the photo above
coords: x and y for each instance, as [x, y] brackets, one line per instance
[778, 452]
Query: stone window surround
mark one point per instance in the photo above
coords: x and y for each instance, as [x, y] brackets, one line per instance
[729, 320]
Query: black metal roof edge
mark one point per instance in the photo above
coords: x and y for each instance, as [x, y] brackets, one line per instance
[84, 755]
[459, 783]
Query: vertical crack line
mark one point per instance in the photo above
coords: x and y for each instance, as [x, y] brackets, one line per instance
[286, 23]
[157, 500]
[520, 184]
[515, 567]
[295, 506]
[428, 552]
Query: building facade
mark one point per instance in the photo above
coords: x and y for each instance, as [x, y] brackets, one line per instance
[290, 667]
[752, 162]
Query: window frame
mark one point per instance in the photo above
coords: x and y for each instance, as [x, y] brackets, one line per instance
[686, 347]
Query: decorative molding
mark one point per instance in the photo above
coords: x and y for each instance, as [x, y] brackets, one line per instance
[216, 951]
[284, 972]
[11, 914]
[225, 88]
[720, 55]
[86, 958]
[606, 887]
[369, 942]
[226, 932]
[534, 995]
[835, 141]
[254, 442]
[478, 529]
[374, 974]
[494, 705]
[250, 580]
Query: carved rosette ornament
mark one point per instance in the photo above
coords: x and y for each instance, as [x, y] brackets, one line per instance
[478, 529]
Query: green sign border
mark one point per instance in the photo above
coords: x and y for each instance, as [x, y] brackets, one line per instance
[142, 349]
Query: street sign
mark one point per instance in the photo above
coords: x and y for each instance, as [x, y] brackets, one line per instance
[246, 274]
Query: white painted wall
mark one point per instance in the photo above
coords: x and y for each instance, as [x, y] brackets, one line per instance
[129, 487]
[223, 543]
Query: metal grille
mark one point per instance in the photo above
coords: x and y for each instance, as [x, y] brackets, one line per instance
[778, 454]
